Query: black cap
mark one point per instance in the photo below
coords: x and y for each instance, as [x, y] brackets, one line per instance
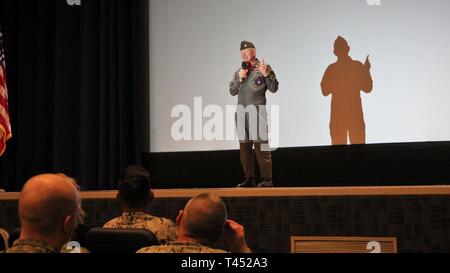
[245, 45]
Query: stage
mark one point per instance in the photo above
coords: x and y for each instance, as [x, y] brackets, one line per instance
[272, 192]
[418, 216]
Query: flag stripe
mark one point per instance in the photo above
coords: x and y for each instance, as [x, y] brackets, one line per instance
[5, 125]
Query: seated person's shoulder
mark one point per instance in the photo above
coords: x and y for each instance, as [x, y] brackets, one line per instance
[180, 247]
[157, 223]
[165, 221]
[111, 223]
[164, 229]
[31, 246]
[156, 249]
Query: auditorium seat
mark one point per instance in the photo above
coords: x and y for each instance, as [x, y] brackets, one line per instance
[80, 233]
[103, 240]
[315, 244]
[13, 236]
[3, 239]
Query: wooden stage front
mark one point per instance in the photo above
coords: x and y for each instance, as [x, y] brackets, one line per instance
[273, 192]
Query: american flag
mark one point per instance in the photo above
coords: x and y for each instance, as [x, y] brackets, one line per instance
[5, 126]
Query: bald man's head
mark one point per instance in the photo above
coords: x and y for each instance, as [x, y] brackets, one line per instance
[48, 206]
[203, 218]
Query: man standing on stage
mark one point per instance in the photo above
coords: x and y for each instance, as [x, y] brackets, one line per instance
[250, 83]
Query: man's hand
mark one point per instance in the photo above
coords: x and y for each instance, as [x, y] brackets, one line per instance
[264, 69]
[235, 236]
[367, 64]
[242, 74]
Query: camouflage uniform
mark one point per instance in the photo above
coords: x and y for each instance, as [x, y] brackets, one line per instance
[164, 229]
[31, 246]
[180, 247]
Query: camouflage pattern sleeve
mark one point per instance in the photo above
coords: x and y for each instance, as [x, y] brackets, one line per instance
[164, 229]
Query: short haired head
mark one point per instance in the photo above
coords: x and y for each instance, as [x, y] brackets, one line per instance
[134, 187]
[49, 208]
[203, 218]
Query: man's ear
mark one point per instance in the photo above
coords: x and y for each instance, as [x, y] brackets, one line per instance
[69, 224]
[179, 217]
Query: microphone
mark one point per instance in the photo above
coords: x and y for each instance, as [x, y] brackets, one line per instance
[246, 66]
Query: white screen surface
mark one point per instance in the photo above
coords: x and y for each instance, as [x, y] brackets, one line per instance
[194, 52]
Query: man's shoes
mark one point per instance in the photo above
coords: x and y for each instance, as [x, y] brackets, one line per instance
[266, 184]
[248, 183]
